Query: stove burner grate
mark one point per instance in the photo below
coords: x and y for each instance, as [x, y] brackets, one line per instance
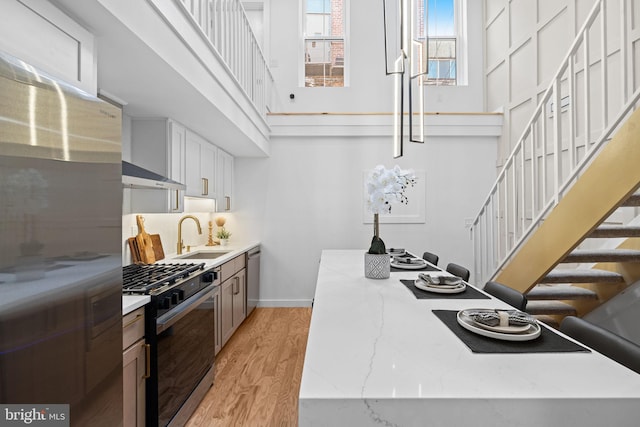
[140, 278]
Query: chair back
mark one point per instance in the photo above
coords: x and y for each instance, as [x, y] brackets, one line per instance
[458, 270]
[432, 258]
[509, 295]
[603, 341]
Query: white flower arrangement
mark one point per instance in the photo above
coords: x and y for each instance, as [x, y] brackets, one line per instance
[386, 187]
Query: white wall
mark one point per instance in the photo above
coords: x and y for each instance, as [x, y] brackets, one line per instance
[308, 196]
[370, 90]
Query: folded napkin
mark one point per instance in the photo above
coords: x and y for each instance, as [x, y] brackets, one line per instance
[501, 317]
[400, 260]
[440, 280]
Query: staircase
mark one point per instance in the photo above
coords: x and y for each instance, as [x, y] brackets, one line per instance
[538, 229]
[574, 290]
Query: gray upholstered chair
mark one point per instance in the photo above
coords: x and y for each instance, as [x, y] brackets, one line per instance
[458, 270]
[603, 341]
[429, 257]
[512, 297]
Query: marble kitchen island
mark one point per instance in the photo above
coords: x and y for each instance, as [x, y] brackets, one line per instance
[376, 355]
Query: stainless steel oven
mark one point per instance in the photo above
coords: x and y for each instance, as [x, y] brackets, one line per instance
[180, 325]
[185, 348]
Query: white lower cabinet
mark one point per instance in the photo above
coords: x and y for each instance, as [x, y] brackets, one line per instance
[135, 368]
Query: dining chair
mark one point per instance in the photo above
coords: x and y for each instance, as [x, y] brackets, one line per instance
[458, 270]
[509, 295]
[429, 257]
[603, 341]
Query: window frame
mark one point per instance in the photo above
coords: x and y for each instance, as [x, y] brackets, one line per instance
[304, 39]
[460, 35]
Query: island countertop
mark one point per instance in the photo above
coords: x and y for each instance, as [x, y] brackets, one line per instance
[377, 355]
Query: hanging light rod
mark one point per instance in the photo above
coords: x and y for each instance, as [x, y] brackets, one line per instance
[405, 47]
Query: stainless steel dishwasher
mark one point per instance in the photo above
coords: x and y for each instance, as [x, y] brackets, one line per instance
[253, 278]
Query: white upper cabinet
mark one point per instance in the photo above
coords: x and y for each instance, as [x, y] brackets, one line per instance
[200, 167]
[43, 36]
[225, 181]
[159, 145]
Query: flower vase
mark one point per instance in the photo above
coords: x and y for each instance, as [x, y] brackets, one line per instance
[377, 266]
[224, 242]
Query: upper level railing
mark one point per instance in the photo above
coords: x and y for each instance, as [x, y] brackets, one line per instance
[584, 104]
[225, 25]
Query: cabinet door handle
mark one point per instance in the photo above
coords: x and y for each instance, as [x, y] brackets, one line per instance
[177, 205]
[205, 186]
[147, 372]
[135, 319]
[228, 203]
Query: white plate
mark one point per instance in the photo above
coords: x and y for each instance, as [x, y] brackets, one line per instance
[443, 289]
[407, 266]
[532, 332]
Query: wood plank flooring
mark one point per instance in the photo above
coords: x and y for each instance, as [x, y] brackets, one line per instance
[258, 372]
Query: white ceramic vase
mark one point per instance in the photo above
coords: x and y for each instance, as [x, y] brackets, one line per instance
[224, 242]
[377, 266]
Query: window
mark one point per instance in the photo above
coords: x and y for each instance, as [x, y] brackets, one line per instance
[324, 43]
[442, 31]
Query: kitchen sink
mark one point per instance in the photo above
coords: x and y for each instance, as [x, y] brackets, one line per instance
[204, 255]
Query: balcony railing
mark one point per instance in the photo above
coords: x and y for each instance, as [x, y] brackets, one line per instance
[576, 116]
[225, 24]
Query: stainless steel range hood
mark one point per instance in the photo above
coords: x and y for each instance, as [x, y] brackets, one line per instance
[136, 177]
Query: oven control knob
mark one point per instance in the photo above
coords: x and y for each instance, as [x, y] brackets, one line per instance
[208, 277]
[166, 303]
[180, 293]
[174, 298]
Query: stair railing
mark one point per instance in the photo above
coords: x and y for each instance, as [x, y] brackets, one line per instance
[578, 113]
[225, 24]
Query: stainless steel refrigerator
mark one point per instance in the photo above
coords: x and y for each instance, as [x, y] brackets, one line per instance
[60, 249]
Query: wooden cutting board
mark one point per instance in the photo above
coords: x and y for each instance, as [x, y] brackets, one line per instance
[145, 245]
[157, 247]
[135, 251]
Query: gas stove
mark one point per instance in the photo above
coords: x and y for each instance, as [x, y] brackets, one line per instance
[180, 332]
[153, 279]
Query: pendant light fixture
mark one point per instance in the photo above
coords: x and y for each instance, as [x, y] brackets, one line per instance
[405, 46]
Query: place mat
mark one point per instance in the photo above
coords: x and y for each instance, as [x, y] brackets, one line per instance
[547, 342]
[469, 293]
[425, 268]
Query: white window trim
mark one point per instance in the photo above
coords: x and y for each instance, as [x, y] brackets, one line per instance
[301, 39]
[460, 25]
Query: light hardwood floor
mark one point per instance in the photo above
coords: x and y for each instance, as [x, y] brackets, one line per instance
[258, 372]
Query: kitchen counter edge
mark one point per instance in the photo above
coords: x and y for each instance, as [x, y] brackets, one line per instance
[133, 302]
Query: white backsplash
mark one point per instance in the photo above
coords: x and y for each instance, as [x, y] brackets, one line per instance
[166, 225]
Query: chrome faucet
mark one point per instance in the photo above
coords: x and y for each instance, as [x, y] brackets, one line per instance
[180, 245]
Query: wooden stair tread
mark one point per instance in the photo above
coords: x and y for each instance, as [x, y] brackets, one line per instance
[582, 276]
[560, 292]
[550, 307]
[547, 320]
[603, 255]
[633, 200]
[608, 231]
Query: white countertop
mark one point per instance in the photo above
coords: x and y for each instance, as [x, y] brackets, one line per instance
[132, 302]
[376, 354]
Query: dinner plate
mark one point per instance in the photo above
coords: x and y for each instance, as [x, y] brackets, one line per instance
[406, 266]
[532, 332]
[440, 289]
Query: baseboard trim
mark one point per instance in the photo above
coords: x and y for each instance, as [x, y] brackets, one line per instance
[284, 303]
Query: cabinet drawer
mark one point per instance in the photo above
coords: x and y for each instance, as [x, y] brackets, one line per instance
[231, 267]
[132, 327]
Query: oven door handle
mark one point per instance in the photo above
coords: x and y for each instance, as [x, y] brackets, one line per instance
[169, 319]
